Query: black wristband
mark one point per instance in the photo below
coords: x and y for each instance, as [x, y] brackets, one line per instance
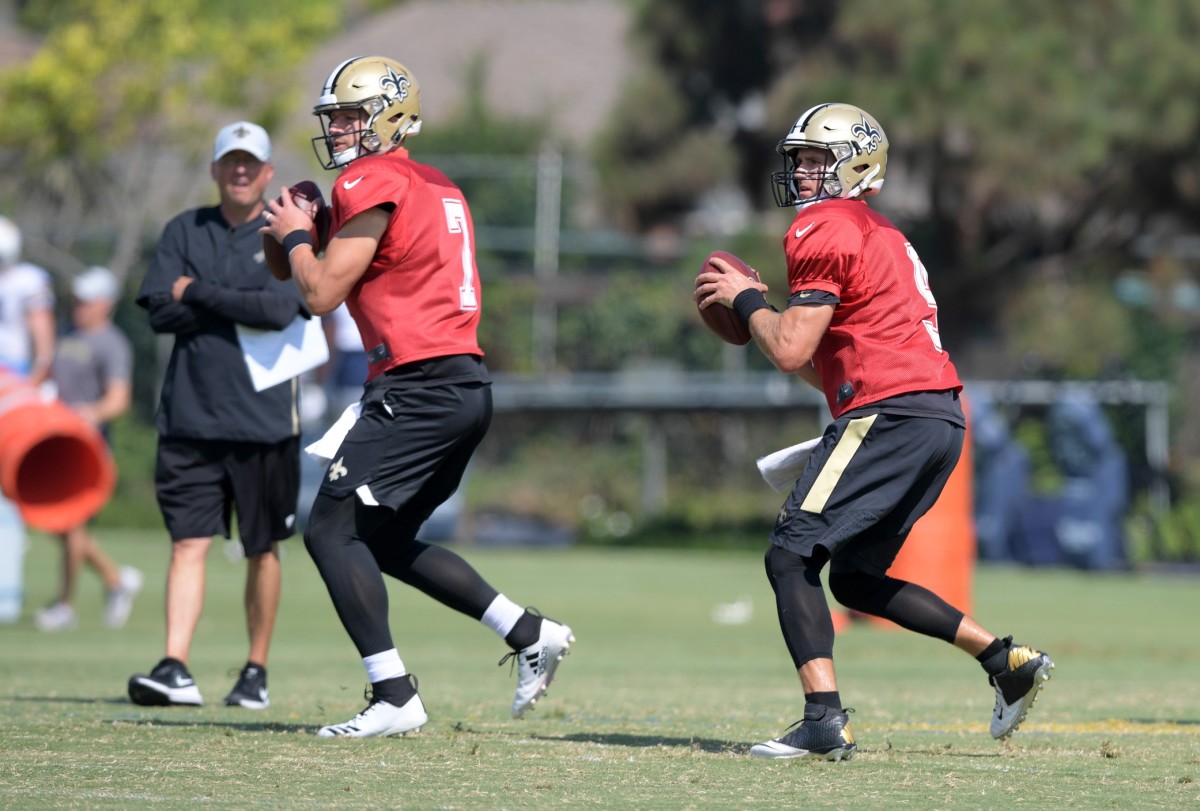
[748, 302]
[295, 239]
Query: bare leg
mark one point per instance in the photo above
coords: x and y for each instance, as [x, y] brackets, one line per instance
[972, 637]
[185, 594]
[817, 676]
[264, 584]
[95, 557]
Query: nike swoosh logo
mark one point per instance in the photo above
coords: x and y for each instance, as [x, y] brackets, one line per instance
[802, 231]
[350, 184]
[804, 294]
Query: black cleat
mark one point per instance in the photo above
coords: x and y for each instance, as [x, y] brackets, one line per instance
[822, 733]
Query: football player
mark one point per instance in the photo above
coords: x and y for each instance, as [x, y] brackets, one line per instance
[401, 256]
[861, 326]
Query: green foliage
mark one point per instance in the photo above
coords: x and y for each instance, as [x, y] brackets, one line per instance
[1172, 537]
[153, 69]
[134, 504]
[1072, 330]
[653, 163]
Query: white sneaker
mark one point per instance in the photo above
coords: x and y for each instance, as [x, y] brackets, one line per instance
[1025, 673]
[381, 719]
[57, 617]
[537, 663]
[119, 602]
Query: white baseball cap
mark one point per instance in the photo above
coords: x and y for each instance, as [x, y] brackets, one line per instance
[96, 283]
[244, 136]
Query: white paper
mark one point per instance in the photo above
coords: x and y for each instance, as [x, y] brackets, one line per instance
[323, 449]
[273, 356]
[781, 468]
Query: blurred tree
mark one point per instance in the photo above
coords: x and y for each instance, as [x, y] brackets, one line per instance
[692, 113]
[1038, 130]
[1021, 130]
[93, 124]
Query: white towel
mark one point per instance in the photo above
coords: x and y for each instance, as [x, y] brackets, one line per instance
[322, 451]
[781, 468]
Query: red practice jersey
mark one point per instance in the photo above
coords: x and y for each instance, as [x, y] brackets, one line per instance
[420, 296]
[883, 340]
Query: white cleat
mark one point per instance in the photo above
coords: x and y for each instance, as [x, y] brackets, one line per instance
[381, 719]
[537, 664]
[1025, 673]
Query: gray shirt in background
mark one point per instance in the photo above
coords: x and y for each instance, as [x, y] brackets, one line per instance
[84, 363]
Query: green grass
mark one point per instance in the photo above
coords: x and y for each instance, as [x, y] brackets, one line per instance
[656, 707]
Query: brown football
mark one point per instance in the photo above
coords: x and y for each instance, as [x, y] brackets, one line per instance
[307, 197]
[719, 318]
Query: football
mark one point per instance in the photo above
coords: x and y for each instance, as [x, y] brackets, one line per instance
[307, 197]
[719, 318]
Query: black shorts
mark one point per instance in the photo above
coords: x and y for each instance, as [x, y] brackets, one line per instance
[410, 446]
[200, 481]
[865, 485]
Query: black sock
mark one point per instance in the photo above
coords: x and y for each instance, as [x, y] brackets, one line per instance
[395, 691]
[525, 632]
[831, 699]
[994, 657]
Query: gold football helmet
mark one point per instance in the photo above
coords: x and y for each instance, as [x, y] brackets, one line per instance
[857, 150]
[381, 88]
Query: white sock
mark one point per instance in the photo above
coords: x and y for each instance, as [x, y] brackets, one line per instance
[386, 665]
[502, 615]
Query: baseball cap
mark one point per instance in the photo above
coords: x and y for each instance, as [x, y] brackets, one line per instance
[95, 283]
[244, 136]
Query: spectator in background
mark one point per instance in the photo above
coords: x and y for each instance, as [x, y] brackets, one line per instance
[26, 352]
[93, 367]
[221, 443]
[26, 311]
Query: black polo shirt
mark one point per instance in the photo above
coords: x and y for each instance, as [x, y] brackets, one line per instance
[206, 392]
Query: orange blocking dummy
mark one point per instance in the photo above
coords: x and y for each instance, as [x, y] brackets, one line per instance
[54, 466]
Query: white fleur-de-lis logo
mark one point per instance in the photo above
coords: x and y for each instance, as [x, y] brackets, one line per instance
[337, 470]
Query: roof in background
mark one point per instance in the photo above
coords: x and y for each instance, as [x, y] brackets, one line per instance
[562, 59]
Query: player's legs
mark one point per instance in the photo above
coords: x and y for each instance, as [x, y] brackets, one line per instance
[78, 548]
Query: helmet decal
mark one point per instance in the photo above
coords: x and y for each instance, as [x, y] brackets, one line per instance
[870, 137]
[395, 85]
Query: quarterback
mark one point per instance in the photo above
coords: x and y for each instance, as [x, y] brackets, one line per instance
[861, 326]
[401, 256]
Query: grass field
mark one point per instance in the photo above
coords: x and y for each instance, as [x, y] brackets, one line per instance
[656, 707]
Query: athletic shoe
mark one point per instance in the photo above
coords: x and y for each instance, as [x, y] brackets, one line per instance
[56, 617]
[119, 601]
[1017, 687]
[250, 691]
[381, 719]
[537, 663]
[822, 733]
[169, 684]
